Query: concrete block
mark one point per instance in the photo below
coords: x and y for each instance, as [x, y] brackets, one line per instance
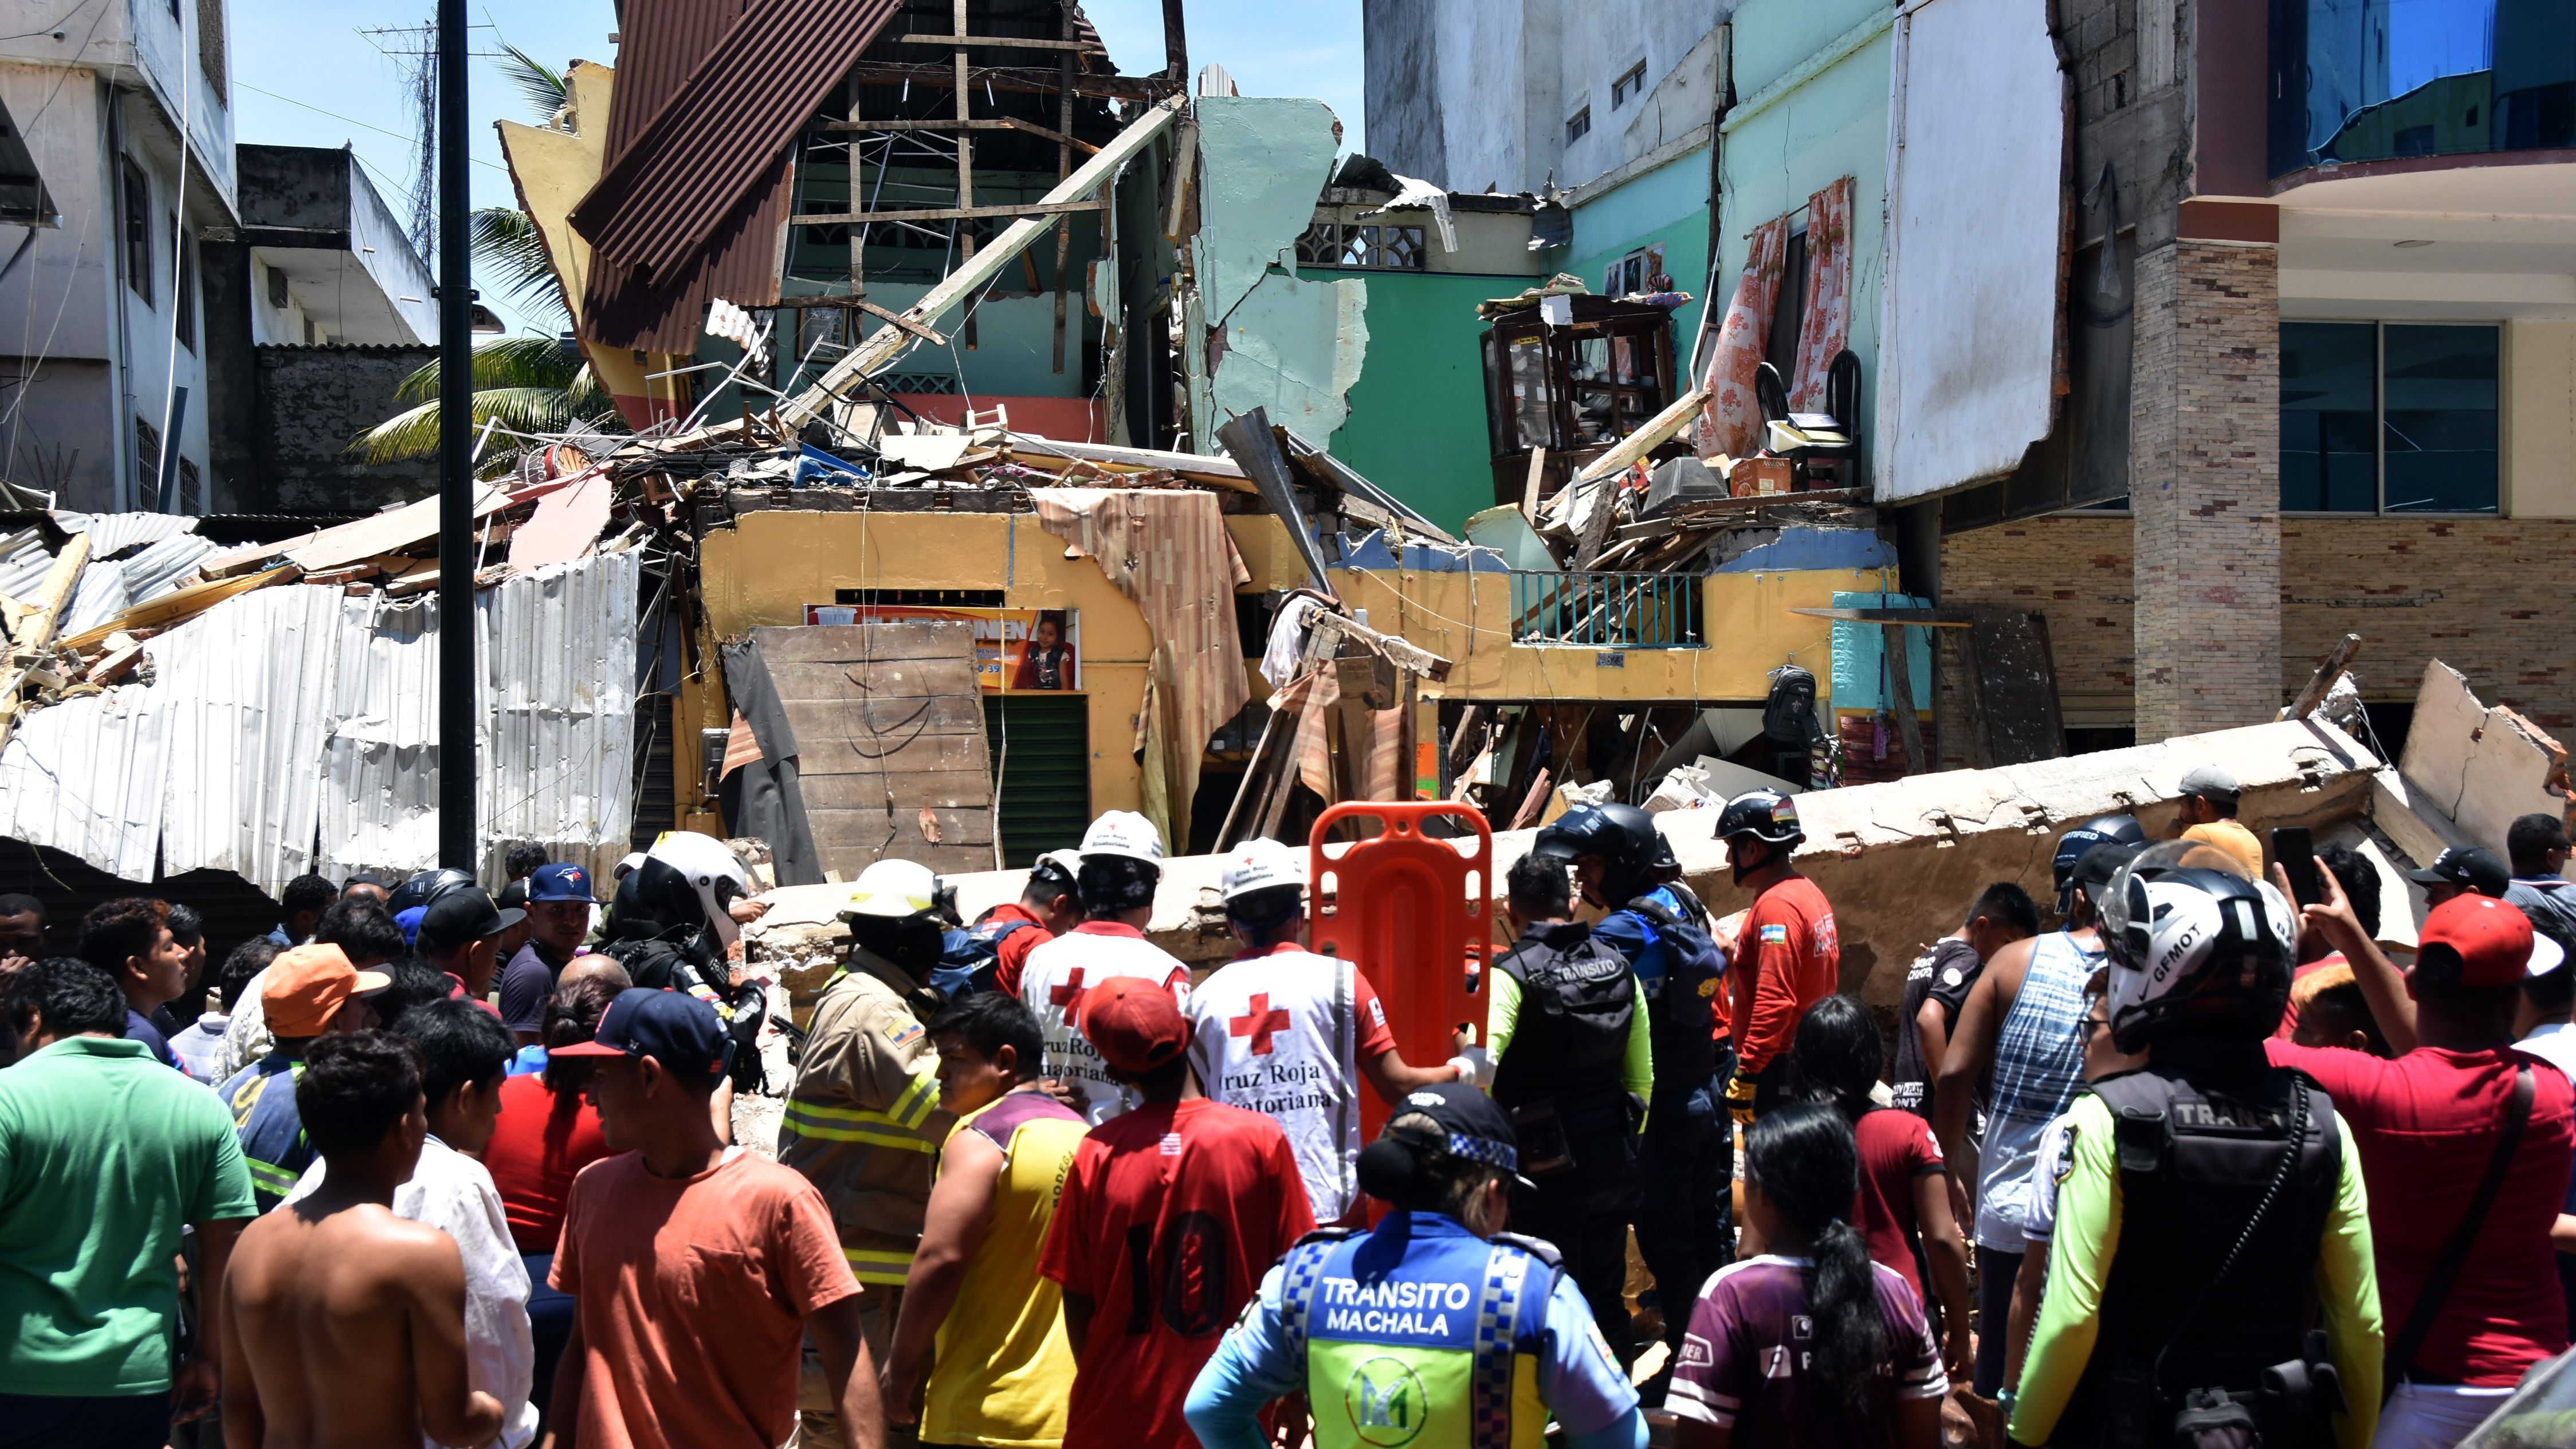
[2480, 766]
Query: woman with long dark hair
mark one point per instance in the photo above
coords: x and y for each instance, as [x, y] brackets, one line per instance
[1903, 1208]
[1811, 1343]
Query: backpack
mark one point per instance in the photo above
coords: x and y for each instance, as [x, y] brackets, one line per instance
[1789, 713]
[969, 959]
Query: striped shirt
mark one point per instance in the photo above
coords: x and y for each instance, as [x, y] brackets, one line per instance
[2039, 1062]
[1747, 1361]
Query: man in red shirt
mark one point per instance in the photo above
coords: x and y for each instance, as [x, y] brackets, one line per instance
[1182, 1198]
[1787, 955]
[2427, 1125]
[1045, 910]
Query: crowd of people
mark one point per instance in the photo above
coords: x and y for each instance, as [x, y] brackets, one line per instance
[2179, 1156]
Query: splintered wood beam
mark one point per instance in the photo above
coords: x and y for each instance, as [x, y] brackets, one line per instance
[1404, 654]
[2329, 670]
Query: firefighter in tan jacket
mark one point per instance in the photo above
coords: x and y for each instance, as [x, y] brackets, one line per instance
[863, 1121]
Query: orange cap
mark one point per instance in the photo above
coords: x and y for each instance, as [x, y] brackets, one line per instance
[308, 985]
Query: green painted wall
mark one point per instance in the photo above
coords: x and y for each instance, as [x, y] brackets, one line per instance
[1666, 207]
[1417, 423]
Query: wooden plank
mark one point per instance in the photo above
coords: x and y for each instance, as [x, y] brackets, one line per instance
[882, 641]
[1596, 526]
[1923, 618]
[1208, 465]
[1650, 435]
[911, 789]
[31, 632]
[1900, 680]
[186, 604]
[1023, 80]
[946, 213]
[2329, 670]
[1185, 155]
[347, 543]
[1012, 42]
[1404, 654]
[1008, 123]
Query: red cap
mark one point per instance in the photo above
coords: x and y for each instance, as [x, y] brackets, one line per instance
[1134, 1024]
[2492, 939]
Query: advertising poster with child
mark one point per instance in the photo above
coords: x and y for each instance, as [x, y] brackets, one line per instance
[1017, 651]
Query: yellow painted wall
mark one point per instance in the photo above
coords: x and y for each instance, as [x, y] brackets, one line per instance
[553, 171]
[770, 565]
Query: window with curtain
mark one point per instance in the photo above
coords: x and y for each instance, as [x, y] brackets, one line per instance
[2390, 417]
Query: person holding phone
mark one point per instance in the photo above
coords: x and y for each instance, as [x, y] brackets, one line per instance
[2359, 882]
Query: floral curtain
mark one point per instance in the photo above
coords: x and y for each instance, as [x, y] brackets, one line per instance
[1731, 422]
[1821, 337]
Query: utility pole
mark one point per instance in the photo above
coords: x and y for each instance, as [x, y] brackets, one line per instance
[457, 701]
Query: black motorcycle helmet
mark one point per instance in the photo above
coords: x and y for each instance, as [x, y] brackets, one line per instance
[426, 887]
[2100, 830]
[1631, 849]
[663, 895]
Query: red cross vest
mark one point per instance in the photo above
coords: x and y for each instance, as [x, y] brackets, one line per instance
[1279, 1035]
[1052, 982]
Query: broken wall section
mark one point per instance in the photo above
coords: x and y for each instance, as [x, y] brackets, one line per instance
[2479, 766]
[1273, 341]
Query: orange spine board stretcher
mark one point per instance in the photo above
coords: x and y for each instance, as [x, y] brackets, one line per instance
[1413, 913]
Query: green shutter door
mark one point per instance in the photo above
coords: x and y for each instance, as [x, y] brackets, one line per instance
[1045, 773]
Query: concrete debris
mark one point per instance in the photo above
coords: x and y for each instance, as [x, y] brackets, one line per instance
[2476, 766]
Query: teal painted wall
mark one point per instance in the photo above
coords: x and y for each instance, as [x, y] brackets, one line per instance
[1834, 124]
[1417, 423]
[1666, 207]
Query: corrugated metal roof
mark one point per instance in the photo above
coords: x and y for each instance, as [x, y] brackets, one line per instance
[22, 567]
[160, 569]
[109, 532]
[86, 776]
[98, 597]
[241, 682]
[659, 199]
[557, 649]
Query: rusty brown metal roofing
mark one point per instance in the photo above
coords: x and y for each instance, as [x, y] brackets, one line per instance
[657, 203]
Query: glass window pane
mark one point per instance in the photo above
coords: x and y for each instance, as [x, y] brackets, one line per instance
[2441, 433]
[1532, 402]
[2328, 411]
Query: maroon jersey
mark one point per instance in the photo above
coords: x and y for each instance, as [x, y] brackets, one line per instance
[1746, 1362]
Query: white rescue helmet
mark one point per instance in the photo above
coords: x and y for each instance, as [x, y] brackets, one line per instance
[893, 890]
[1260, 864]
[712, 870]
[1124, 833]
[2194, 948]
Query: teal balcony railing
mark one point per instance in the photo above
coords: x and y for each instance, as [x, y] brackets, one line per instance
[1608, 610]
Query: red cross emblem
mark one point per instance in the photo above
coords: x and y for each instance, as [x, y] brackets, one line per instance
[1258, 1023]
[1069, 991]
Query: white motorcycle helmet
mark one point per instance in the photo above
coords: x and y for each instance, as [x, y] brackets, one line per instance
[709, 869]
[2195, 948]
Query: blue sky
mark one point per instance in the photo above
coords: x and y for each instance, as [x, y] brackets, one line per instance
[344, 89]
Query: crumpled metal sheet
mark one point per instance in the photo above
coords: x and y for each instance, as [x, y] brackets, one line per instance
[109, 532]
[556, 746]
[23, 567]
[98, 597]
[159, 569]
[86, 776]
[241, 683]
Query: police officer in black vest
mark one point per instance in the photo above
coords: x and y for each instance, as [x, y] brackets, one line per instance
[1566, 1026]
[1624, 865]
[2215, 1199]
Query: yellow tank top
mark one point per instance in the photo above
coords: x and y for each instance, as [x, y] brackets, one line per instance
[1002, 1374]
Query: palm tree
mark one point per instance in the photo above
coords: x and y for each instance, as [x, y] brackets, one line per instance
[527, 384]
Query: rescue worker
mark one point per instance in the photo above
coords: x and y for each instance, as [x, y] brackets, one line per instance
[1284, 1032]
[1048, 907]
[1788, 955]
[863, 1120]
[673, 929]
[1122, 863]
[1685, 1157]
[2207, 1198]
[1435, 1327]
[1567, 1027]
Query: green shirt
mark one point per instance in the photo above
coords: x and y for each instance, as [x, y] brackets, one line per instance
[104, 1154]
[1503, 1017]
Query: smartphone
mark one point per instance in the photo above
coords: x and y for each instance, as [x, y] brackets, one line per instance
[2297, 854]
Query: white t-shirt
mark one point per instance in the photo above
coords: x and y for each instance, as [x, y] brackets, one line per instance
[2553, 1042]
[2049, 1167]
[1057, 974]
[1278, 1035]
[453, 1193]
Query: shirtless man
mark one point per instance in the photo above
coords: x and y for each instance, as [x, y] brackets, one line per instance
[343, 1324]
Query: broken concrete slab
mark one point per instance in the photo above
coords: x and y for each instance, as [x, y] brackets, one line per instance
[2480, 766]
[1900, 860]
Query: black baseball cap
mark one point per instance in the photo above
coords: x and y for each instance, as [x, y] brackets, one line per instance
[672, 1027]
[463, 915]
[513, 896]
[2097, 866]
[1476, 1127]
[2469, 868]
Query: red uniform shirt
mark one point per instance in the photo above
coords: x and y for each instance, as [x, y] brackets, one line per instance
[2425, 1125]
[1209, 1197]
[1787, 960]
[1014, 951]
[540, 1142]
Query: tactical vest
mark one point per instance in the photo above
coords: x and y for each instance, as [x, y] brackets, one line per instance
[1578, 999]
[2195, 1161]
[1436, 1350]
[1678, 1009]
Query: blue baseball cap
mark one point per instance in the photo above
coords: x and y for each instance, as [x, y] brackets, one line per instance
[672, 1027]
[409, 920]
[559, 883]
